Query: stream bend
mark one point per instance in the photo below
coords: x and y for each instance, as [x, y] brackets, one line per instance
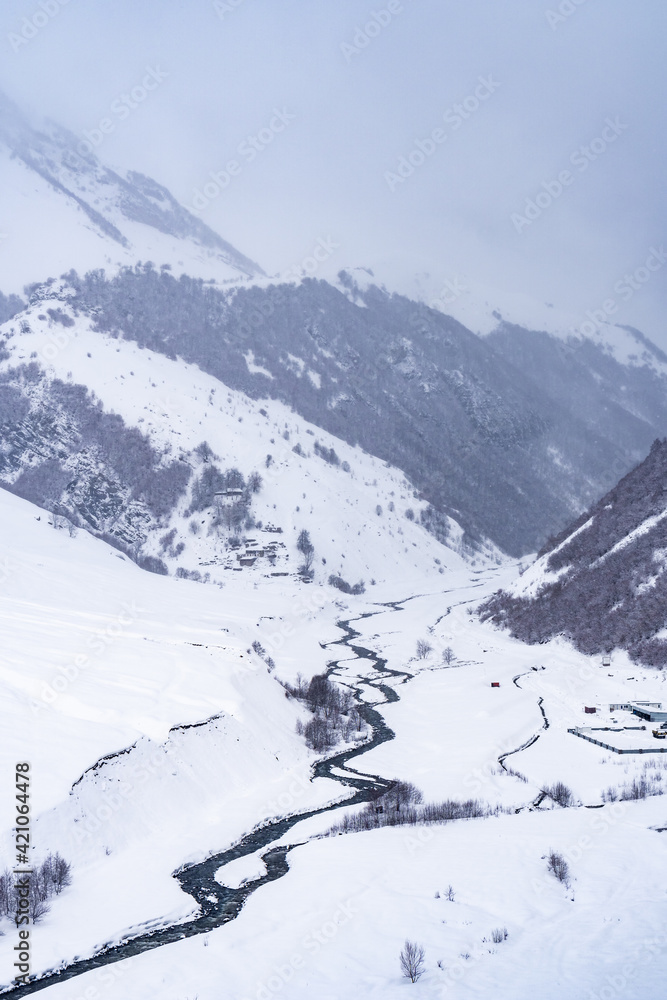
[219, 904]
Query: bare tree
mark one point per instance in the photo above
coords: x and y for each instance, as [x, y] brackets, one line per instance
[61, 873]
[205, 452]
[307, 549]
[412, 961]
[423, 649]
[560, 794]
[254, 482]
[448, 655]
[558, 867]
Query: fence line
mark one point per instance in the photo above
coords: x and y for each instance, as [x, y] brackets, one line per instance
[607, 746]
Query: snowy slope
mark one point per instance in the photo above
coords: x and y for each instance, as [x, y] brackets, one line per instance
[601, 582]
[356, 518]
[61, 208]
[101, 657]
[334, 926]
[484, 309]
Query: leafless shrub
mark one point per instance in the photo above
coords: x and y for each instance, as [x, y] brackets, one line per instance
[335, 715]
[423, 649]
[558, 867]
[382, 813]
[560, 794]
[516, 774]
[412, 961]
[499, 934]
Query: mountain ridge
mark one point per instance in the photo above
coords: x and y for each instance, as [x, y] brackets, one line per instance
[601, 582]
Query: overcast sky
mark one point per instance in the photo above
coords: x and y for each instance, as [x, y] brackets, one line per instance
[357, 85]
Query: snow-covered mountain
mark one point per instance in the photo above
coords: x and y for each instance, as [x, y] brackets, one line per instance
[134, 446]
[601, 582]
[61, 208]
[322, 478]
[510, 435]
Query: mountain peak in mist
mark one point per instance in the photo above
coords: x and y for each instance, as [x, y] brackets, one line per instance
[76, 192]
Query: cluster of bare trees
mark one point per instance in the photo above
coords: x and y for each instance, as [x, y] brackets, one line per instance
[610, 595]
[334, 711]
[208, 490]
[560, 794]
[642, 786]
[259, 649]
[340, 584]
[403, 805]
[45, 881]
[328, 454]
[424, 649]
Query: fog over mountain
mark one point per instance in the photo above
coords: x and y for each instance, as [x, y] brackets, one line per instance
[510, 434]
[362, 89]
[333, 500]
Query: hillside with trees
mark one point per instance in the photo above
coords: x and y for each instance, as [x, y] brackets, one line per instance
[601, 583]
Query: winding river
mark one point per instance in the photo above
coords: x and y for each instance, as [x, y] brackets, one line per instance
[219, 904]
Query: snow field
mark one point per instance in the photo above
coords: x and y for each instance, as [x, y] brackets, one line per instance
[333, 928]
[164, 654]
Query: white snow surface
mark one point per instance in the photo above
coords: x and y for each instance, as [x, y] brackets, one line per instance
[334, 925]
